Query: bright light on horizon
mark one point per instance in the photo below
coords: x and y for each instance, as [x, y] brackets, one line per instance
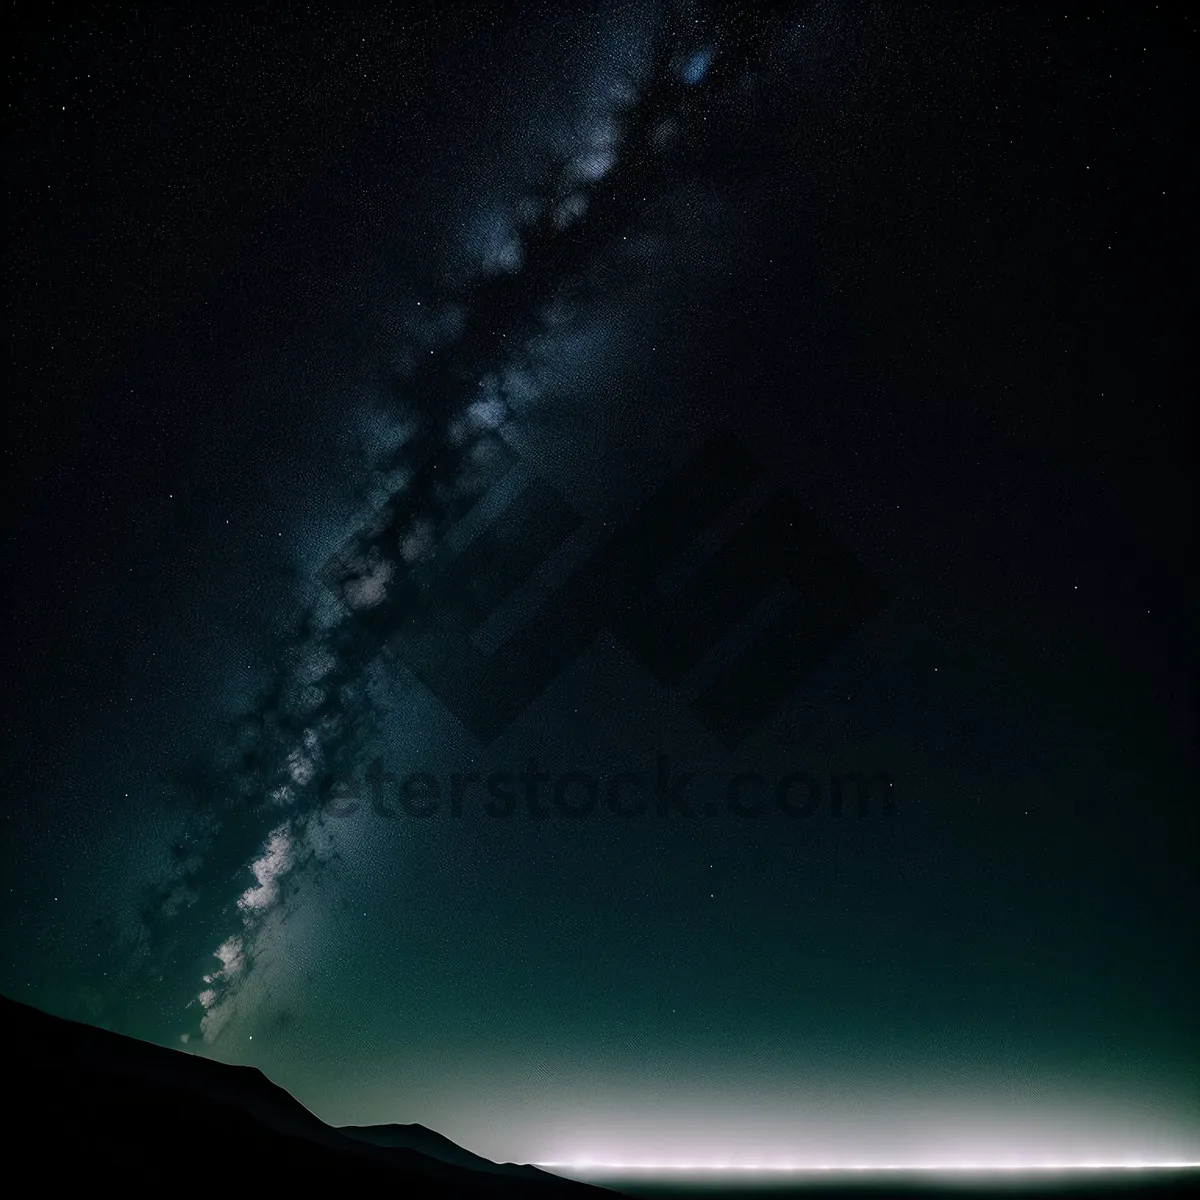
[592, 1167]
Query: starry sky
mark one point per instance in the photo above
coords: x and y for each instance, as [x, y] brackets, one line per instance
[399, 393]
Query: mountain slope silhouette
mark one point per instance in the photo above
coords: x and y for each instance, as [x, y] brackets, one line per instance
[89, 1104]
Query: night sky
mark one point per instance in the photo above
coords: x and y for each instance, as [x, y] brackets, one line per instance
[399, 394]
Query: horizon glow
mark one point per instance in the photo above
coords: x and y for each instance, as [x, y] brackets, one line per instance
[588, 1166]
[891, 1133]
